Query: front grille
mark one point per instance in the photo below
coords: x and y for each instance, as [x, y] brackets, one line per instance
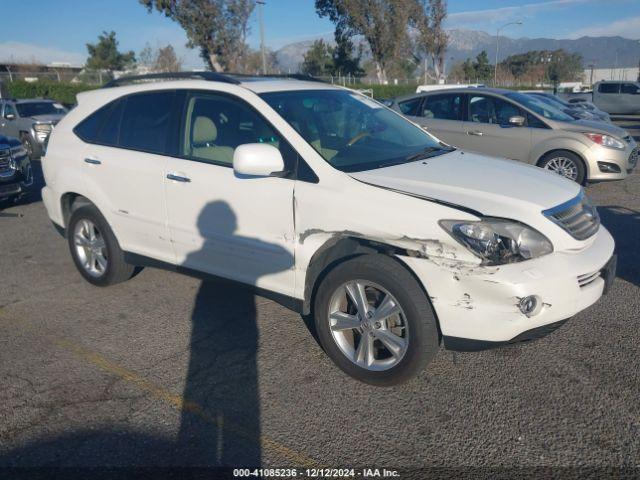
[577, 217]
[588, 278]
[5, 159]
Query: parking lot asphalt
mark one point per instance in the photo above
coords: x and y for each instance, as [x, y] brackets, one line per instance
[168, 370]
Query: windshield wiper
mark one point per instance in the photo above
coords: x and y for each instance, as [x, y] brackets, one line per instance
[428, 153]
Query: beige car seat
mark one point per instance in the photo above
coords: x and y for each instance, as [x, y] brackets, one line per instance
[205, 133]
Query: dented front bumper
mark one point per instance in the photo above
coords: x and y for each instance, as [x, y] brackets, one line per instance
[480, 304]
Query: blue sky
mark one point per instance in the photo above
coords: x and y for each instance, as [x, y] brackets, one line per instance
[60, 29]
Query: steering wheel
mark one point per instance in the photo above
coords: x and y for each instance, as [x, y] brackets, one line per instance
[358, 137]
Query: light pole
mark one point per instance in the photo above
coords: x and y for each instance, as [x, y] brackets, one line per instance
[495, 73]
[264, 58]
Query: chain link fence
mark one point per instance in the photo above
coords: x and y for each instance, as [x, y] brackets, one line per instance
[94, 78]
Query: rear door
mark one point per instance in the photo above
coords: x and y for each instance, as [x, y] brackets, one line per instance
[123, 162]
[488, 131]
[441, 115]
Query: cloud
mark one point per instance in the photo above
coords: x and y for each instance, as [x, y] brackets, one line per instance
[628, 28]
[27, 53]
[502, 14]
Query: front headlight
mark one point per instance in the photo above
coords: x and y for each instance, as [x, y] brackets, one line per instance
[42, 130]
[42, 127]
[497, 241]
[605, 140]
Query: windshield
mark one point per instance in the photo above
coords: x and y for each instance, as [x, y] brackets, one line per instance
[540, 107]
[551, 100]
[31, 109]
[351, 131]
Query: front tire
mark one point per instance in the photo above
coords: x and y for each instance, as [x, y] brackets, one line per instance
[28, 146]
[566, 164]
[95, 249]
[374, 320]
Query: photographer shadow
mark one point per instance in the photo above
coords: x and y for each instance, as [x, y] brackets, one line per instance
[220, 406]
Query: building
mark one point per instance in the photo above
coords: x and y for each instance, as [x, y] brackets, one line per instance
[594, 75]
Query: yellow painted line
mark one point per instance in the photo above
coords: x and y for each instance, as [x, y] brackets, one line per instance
[178, 401]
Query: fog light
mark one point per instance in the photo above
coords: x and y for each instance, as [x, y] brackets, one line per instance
[607, 167]
[530, 305]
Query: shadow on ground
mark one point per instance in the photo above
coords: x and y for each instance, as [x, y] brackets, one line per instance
[220, 410]
[624, 225]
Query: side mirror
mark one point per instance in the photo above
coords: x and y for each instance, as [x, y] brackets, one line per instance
[10, 116]
[258, 160]
[517, 120]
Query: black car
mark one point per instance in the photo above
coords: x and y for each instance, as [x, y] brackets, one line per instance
[16, 174]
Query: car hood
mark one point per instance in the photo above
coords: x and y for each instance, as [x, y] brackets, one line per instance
[594, 126]
[491, 186]
[48, 118]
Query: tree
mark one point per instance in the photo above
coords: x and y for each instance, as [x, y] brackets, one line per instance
[167, 61]
[318, 60]
[161, 59]
[253, 62]
[104, 54]
[218, 28]
[544, 65]
[478, 70]
[345, 60]
[382, 23]
[146, 57]
[482, 67]
[432, 38]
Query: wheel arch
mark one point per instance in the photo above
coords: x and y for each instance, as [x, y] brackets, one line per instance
[340, 249]
[585, 164]
[69, 201]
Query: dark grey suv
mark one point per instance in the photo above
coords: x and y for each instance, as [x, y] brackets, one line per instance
[31, 121]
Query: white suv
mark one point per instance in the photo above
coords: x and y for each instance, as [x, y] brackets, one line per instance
[327, 202]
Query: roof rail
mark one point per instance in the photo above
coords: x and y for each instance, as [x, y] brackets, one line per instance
[209, 76]
[293, 76]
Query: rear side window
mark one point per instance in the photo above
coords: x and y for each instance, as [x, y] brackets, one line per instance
[443, 107]
[145, 121]
[410, 107]
[102, 126]
[89, 128]
[609, 88]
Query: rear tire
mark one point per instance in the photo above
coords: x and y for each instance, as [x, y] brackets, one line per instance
[564, 163]
[400, 345]
[95, 249]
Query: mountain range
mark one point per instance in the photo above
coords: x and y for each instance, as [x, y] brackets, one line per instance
[603, 52]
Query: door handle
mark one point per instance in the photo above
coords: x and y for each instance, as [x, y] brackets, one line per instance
[178, 178]
[92, 161]
[477, 133]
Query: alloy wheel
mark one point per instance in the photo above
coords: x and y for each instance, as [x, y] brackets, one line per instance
[28, 147]
[90, 248]
[563, 166]
[368, 325]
